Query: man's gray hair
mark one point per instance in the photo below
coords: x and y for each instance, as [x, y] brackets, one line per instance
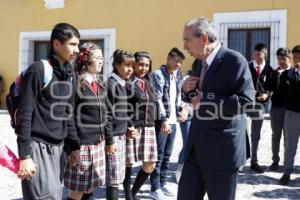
[202, 25]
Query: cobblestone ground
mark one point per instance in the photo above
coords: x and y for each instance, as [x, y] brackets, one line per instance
[250, 186]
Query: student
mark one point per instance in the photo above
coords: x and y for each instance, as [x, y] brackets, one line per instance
[260, 70]
[44, 121]
[291, 93]
[277, 109]
[117, 121]
[89, 121]
[143, 146]
[167, 87]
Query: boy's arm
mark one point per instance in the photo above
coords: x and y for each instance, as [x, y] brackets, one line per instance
[31, 84]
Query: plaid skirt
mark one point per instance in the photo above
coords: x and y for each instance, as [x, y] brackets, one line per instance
[90, 173]
[143, 147]
[115, 163]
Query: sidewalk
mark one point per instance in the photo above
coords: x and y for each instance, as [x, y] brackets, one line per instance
[251, 186]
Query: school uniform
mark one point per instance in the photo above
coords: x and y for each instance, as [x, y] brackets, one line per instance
[44, 125]
[144, 146]
[277, 112]
[89, 121]
[291, 92]
[117, 124]
[259, 75]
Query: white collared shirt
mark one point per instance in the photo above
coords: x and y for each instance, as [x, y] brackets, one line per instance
[89, 77]
[121, 81]
[280, 70]
[213, 54]
[173, 94]
[262, 66]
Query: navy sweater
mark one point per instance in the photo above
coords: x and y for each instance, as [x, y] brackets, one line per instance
[90, 114]
[117, 109]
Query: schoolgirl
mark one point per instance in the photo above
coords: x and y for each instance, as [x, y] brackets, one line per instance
[143, 146]
[89, 120]
[117, 121]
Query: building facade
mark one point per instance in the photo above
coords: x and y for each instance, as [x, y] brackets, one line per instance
[151, 25]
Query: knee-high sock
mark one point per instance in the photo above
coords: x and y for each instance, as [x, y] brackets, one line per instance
[139, 181]
[127, 184]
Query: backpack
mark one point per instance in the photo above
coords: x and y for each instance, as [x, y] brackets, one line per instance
[12, 98]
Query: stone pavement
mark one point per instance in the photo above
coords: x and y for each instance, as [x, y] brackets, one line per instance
[250, 185]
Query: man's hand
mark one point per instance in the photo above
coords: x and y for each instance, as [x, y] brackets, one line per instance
[131, 132]
[190, 84]
[196, 102]
[74, 158]
[27, 169]
[165, 128]
[110, 149]
[262, 97]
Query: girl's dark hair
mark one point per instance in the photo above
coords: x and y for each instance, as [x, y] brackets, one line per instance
[138, 56]
[63, 32]
[85, 54]
[143, 54]
[121, 56]
[83, 59]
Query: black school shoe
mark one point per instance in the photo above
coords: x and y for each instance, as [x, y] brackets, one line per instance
[285, 179]
[258, 169]
[274, 167]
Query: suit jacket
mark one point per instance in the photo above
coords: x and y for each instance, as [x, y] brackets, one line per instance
[219, 143]
[260, 82]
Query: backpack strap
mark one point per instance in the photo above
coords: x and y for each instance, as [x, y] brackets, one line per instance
[48, 73]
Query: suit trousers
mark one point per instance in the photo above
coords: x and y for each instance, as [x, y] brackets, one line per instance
[194, 182]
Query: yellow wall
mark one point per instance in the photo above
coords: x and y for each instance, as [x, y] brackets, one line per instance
[151, 25]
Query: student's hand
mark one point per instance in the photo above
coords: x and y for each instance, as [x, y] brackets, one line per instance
[190, 84]
[110, 149]
[131, 132]
[74, 158]
[183, 115]
[165, 128]
[27, 169]
[262, 97]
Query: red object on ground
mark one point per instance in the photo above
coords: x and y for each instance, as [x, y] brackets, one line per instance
[8, 159]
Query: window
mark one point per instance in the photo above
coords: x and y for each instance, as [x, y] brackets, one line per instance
[244, 40]
[242, 30]
[35, 46]
[41, 48]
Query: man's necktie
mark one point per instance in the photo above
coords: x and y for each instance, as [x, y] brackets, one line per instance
[202, 75]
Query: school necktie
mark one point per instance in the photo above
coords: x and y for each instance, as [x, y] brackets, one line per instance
[94, 87]
[258, 70]
[202, 75]
[141, 84]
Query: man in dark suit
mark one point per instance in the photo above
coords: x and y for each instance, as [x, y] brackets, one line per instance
[260, 72]
[216, 144]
